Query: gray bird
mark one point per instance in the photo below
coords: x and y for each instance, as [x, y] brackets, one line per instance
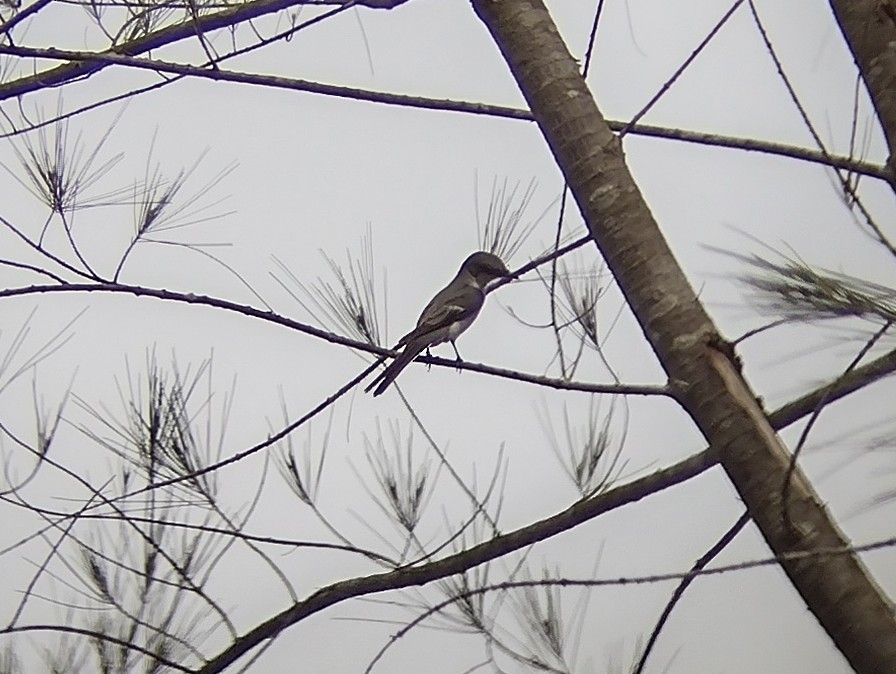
[447, 315]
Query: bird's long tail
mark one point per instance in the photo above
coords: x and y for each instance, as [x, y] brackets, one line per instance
[387, 376]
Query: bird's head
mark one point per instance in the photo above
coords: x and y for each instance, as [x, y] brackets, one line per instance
[485, 267]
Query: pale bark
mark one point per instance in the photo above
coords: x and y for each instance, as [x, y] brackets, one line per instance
[869, 27]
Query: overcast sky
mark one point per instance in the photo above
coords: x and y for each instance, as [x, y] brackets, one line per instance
[311, 173]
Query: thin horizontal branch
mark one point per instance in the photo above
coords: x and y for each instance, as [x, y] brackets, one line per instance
[296, 544]
[271, 317]
[99, 636]
[103, 59]
[766, 147]
[554, 383]
[631, 580]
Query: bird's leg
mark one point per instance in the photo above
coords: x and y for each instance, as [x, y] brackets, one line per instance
[456, 353]
[428, 355]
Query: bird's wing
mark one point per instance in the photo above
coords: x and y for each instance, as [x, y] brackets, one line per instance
[454, 304]
[451, 305]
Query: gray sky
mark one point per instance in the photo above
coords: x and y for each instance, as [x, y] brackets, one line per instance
[315, 173]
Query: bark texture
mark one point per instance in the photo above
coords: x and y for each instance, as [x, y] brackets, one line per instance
[836, 587]
[869, 27]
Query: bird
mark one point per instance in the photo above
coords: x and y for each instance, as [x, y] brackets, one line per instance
[447, 315]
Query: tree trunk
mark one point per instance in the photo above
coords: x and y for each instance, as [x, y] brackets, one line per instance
[869, 27]
[700, 365]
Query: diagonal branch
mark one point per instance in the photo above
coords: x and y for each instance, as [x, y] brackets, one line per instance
[457, 563]
[570, 518]
[186, 29]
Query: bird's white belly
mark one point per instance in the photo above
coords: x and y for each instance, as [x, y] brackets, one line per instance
[456, 328]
